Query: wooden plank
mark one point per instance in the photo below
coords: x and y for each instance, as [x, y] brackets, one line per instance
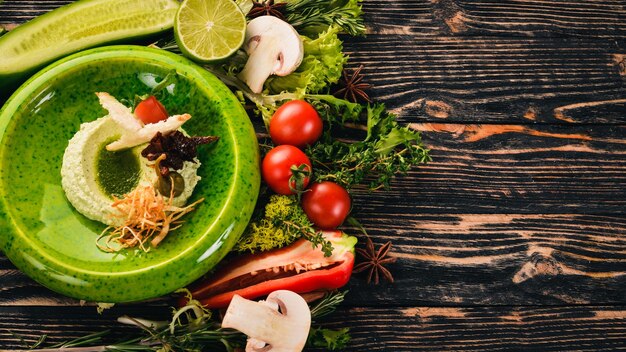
[485, 328]
[499, 259]
[493, 79]
[511, 169]
[467, 259]
[532, 18]
[19, 11]
[525, 328]
[526, 18]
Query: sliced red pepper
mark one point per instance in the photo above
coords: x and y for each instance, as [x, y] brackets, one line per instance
[298, 267]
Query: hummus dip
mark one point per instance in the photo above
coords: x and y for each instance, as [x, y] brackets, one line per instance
[92, 175]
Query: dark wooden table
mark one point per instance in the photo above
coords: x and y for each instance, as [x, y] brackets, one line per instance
[514, 237]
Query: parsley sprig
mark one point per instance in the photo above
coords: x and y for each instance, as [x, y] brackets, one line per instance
[387, 150]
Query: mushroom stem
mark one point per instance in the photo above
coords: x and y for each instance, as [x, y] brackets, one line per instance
[242, 312]
[274, 48]
[260, 64]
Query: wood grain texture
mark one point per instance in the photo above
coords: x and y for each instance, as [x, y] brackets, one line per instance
[568, 328]
[526, 18]
[19, 11]
[500, 259]
[494, 79]
[486, 329]
[511, 169]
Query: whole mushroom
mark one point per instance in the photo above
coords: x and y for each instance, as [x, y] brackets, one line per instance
[279, 324]
[274, 48]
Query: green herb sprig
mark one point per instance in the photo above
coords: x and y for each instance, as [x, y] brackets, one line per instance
[329, 339]
[388, 149]
[332, 340]
[190, 329]
[314, 16]
[328, 304]
[282, 222]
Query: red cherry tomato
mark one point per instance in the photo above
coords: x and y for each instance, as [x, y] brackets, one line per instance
[150, 110]
[326, 204]
[296, 123]
[276, 168]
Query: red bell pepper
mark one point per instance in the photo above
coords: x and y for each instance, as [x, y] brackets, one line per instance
[298, 267]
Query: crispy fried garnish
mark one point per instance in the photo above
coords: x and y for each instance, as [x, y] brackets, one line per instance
[147, 216]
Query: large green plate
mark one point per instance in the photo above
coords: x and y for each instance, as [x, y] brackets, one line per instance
[44, 236]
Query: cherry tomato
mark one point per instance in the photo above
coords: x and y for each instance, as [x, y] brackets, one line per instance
[296, 123]
[276, 168]
[150, 110]
[326, 204]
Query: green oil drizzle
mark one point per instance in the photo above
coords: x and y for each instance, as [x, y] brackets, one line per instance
[117, 172]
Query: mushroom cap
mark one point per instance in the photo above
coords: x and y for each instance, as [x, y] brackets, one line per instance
[279, 324]
[287, 42]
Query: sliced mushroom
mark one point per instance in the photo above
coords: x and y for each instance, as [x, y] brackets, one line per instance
[145, 134]
[274, 48]
[279, 324]
[119, 112]
[134, 132]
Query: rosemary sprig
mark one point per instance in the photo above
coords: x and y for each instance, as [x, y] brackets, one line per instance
[328, 304]
[308, 15]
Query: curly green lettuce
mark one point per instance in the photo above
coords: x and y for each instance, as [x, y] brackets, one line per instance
[321, 66]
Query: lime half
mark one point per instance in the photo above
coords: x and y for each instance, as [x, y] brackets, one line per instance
[209, 30]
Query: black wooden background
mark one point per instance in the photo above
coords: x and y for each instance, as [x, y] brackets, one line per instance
[514, 237]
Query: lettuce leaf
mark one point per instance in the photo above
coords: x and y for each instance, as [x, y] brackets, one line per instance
[322, 65]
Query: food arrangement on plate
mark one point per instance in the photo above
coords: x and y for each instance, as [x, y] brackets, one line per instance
[145, 172]
[107, 175]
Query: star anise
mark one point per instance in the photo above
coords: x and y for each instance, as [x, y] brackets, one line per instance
[375, 261]
[267, 8]
[352, 88]
[177, 148]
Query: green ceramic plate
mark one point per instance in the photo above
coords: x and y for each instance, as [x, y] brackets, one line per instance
[44, 236]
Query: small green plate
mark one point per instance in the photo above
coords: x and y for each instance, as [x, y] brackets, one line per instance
[45, 237]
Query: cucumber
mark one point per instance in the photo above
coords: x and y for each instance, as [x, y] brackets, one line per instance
[77, 26]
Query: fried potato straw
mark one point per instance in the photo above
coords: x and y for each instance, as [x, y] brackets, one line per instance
[147, 216]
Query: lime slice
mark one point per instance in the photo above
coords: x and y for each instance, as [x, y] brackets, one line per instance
[209, 30]
[78, 26]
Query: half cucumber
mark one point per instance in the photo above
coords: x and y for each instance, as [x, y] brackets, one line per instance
[78, 26]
